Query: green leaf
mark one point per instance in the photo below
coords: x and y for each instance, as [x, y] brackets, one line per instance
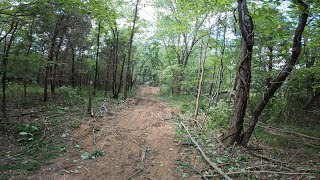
[85, 156]
[23, 133]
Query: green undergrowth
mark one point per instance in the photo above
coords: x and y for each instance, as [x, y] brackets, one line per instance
[40, 132]
[299, 153]
[237, 162]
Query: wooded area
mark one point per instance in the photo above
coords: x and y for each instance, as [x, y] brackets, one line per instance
[228, 64]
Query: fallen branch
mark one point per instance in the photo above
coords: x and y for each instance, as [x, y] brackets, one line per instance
[263, 125]
[64, 170]
[267, 159]
[260, 172]
[135, 173]
[212, 164]
[196, 170]
[143, 157]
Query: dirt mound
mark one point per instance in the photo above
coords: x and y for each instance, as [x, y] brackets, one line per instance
[137, 142]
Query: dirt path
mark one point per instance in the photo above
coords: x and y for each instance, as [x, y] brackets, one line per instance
[138, 141]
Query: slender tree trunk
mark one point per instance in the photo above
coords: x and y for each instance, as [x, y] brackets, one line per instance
[4, 80]
[73, 78]
[310, 81]
[50, 58]
[221, 68]
[89, 110]
[25, 77]
[202, 62]
[279, 80]
[97, 60]
[243, 76]
[55, 66]
[128, 80]
[121, 74]
[115, 63]
[6, 51]
[108, 73]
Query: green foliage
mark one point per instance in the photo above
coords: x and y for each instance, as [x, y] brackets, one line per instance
[26, 133]
[70, 95]
[219, 116]
[93, 155]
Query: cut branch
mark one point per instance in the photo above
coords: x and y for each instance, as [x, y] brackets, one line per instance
[212, 164]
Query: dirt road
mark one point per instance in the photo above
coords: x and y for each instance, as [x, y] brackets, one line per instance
[137, 139]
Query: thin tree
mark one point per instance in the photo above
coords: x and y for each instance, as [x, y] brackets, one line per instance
[97, 59]
[128, 73]
[6, 51]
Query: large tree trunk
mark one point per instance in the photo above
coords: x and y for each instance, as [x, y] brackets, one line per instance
[243, 76]
[276, 83]
[128, 73]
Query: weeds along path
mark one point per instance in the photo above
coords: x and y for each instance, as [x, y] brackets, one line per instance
[137, 141]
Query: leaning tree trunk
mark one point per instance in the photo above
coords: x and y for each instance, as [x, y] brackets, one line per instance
[243, 76]
[276, 83]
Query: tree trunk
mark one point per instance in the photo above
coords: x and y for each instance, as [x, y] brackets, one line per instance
[121, 74]
[50, 58]
[97, 59]
[128, 73]
[6, 51]
[202, 61]
[115, 63]
[243, 76]
[221, 68]
[25, 77]
[73, 78]
[310, 81]
[55, 66]
[89, 110]
[279, 80]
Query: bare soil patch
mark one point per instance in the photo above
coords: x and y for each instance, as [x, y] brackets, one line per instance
[137, 141]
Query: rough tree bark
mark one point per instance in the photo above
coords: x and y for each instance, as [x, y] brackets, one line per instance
[243, 78]
[128, 73]
[276, 83]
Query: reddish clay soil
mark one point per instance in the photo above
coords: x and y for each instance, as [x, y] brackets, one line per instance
[138, 141]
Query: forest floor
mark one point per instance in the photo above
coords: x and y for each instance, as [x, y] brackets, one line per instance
[134, 140]
[143, 138]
